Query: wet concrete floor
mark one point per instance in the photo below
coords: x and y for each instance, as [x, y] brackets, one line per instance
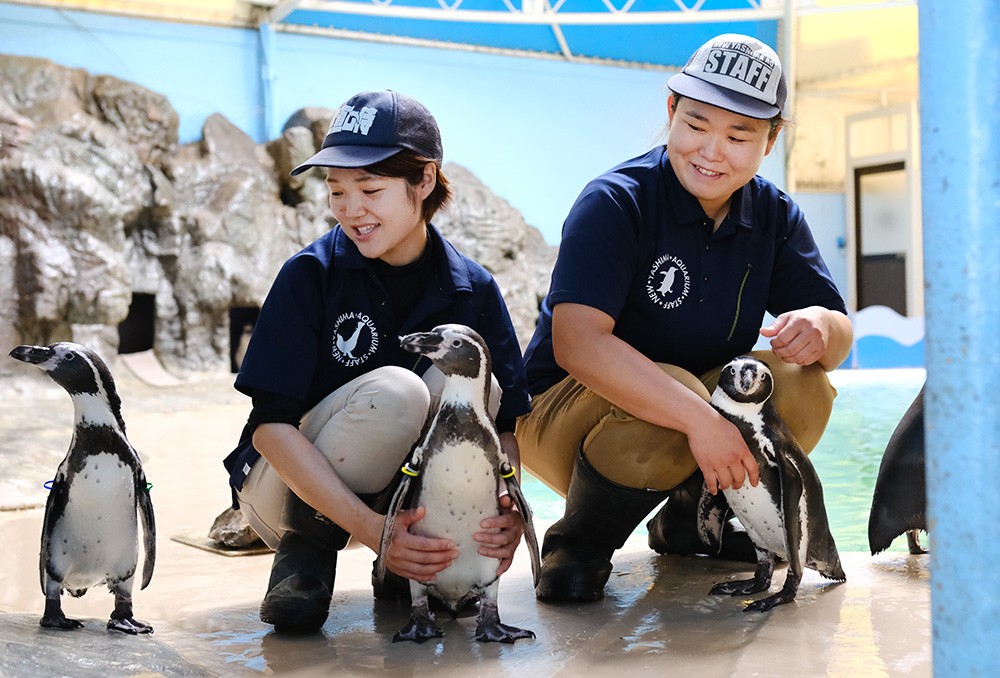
[656, 619]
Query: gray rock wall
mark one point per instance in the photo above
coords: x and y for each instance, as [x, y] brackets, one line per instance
[98, 202]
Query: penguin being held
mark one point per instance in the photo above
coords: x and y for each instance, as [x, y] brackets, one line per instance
[455, 472]
[90, 532]
[899, 503]
[784, 515]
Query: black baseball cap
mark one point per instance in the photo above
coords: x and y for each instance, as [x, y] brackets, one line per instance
[372, 126]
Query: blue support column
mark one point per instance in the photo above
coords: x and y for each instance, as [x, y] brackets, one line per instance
[266, 39]
[960, 139]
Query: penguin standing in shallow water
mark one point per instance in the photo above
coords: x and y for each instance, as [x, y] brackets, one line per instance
[90, 532]
[899, 502]
[784, 515]
[455, 473]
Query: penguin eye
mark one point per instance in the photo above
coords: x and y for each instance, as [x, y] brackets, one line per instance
[70, 357]
[456, 342]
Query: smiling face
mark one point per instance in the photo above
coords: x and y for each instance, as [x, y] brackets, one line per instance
[381, 215]
[714, 152]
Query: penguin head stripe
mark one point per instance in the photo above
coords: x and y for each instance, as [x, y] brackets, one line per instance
[747, 380]
[78, 369]
[457, 350]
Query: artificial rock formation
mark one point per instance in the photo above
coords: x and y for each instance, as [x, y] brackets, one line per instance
[99, 203]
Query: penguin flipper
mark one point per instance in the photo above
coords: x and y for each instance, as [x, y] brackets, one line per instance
[793, 513]
[802, 499]
[395, 506]
[530, 538]
[55, 507]
[712, 512]
[145, 504]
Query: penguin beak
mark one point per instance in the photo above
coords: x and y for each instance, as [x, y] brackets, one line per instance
[421, 342]
[32, 354]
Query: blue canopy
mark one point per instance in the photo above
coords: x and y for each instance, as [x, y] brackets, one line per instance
[653, 33]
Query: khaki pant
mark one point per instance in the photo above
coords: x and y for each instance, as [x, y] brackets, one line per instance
[365, 429]
[629, 451]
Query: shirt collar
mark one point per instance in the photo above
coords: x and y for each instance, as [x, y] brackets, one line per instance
[452, 272]
[688, 211]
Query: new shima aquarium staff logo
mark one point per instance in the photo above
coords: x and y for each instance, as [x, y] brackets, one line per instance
[668, 283]
[355, 339]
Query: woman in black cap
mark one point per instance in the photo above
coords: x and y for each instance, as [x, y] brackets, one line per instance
[337, 403]
[666, 267]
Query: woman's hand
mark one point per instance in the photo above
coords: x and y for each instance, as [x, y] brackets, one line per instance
[811, 335]
[415, 557]
[501, 534]
[723, 456]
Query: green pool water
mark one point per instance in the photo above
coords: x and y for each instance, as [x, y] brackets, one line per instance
[868, 407]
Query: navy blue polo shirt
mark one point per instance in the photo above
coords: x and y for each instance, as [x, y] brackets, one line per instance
[637, 246]
[328, 320]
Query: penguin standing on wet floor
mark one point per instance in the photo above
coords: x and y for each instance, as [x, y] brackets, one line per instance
[899, 502]
[784, 515]
[455, 473]
[90, 531]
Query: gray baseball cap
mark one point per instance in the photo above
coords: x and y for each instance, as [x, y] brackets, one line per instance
[735, 72]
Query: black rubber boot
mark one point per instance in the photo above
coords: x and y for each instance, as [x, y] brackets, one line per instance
[302, 574]
[674, 529]
[600, 515]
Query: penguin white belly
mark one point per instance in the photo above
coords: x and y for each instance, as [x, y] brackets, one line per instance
[459, 490]
[761, 517]
[96, 538]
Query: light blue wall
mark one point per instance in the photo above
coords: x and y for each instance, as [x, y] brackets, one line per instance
[533, 130]
[827, 217]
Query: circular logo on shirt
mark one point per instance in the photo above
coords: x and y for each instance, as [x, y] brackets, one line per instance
[668, 284]
[355, 338]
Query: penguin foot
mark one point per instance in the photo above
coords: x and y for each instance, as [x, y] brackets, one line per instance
[913, 543]
[501, 633]
[129, 625]
[742, 587]
[418, 630]
[60, 621]
[765, 604]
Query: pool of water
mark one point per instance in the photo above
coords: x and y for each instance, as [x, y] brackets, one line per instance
[868, 407]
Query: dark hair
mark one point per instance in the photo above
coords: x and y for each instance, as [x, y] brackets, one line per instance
[409, 165]
[776, 123]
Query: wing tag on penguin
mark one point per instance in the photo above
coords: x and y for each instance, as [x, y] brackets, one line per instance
[90, 532]
[784, 515]
[456, 472]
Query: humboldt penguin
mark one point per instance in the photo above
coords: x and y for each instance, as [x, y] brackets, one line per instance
[455, 472]
[899, 503]
[90, 531]
[784, 515]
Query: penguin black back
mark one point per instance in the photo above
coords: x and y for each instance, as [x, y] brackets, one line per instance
[899, 501]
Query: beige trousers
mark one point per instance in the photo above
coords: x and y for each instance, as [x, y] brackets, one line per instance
[632, 452]
[365, 429]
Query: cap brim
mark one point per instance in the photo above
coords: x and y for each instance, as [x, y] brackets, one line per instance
[695, 88]
[347, 156]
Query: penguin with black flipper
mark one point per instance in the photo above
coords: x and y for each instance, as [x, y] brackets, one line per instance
[784, 514]
[455, 472]
[90, 532]
[899, 502]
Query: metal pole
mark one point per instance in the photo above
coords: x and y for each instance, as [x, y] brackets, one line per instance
[960, 139]
[266, 41]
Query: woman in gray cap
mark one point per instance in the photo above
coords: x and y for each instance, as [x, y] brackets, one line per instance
[666, 267]
[337, 402]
